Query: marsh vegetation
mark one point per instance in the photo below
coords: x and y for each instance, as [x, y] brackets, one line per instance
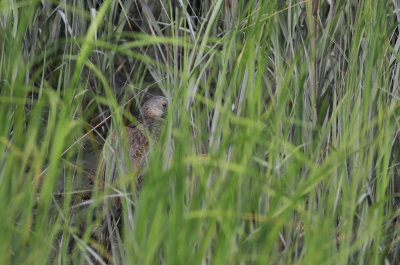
[280, 144]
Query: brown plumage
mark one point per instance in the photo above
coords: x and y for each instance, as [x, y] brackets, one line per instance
[150, 123]
[117, 161]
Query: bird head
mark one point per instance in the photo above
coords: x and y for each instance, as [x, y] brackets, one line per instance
[155, 108]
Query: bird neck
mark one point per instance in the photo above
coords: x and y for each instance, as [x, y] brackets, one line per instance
[152, 125]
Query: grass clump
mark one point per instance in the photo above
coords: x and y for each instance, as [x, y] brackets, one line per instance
[280, 144]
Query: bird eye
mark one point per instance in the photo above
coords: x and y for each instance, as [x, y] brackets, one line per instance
[165, 104]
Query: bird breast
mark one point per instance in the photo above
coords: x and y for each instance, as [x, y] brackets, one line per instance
[138, 147]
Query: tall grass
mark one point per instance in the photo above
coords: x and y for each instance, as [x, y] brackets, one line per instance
[280, 144]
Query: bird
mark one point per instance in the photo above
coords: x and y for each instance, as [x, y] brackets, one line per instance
[114, 163]
[150, 122]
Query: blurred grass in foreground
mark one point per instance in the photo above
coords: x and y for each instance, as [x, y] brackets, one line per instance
[280, 146]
